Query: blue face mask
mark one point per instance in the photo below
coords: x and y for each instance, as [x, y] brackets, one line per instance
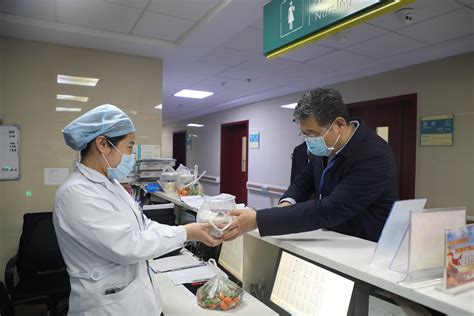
[317, 146]
[121, 172]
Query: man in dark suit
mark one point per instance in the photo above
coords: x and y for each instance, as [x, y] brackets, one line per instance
[299, 159]
[352, 177]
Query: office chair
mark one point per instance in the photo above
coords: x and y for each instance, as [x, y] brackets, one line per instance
[42, 273]
[6, 306]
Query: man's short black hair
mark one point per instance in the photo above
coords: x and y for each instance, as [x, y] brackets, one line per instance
[325, 105]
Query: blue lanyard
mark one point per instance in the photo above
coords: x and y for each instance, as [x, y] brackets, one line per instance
[321, 181]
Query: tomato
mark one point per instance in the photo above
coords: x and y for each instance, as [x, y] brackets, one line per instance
[223, 306]
[227, 300]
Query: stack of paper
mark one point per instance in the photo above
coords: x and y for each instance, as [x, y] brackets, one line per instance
[193, 201]
[191, 275]
[178, 262]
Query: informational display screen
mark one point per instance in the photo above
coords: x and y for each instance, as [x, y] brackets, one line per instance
[231, 257]
[304, 288]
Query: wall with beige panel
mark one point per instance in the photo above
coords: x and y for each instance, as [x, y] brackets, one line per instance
[445, 175]
[29, 99]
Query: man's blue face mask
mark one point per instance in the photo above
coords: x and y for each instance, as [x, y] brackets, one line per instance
[121, 172]
[317, 146]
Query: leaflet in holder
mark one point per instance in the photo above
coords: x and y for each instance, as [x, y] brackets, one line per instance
[303, 288]
[459, 260]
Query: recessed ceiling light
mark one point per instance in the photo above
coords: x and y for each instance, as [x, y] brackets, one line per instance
[195, 125]
[71, 98]
[290, 106]
[81, 81]
[60, 109]
[159, 106]
[195, 94]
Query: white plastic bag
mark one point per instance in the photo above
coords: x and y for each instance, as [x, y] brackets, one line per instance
[168, 180]
[215, 210]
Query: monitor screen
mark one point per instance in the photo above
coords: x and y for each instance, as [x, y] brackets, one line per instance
[231, 257]
[304, 288]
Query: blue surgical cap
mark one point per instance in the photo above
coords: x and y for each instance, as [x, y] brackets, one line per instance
[106, 119]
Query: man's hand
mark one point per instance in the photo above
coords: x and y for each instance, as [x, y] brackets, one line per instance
[283, 204]
[200, 232]
[245, 221]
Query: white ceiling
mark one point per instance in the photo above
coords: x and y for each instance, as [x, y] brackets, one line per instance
[216, 45]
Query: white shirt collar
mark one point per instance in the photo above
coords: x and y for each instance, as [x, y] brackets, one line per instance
[356, 125]
[94, 175]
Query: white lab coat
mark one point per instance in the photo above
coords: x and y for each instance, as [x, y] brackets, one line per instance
[106, 241]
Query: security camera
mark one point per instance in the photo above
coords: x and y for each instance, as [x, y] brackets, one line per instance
[405, 15]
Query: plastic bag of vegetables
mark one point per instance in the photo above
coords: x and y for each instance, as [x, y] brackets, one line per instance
[219, 293]
[188, 181]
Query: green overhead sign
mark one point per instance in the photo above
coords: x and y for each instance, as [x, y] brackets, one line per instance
[288, 23]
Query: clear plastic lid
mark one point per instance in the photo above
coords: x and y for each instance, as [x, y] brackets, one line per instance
[168, 175]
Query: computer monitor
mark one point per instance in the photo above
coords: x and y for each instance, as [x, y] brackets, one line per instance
[231, 257]
[301, 287]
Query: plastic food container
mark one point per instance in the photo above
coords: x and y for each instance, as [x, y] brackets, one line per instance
[168, 180]
[215, 210]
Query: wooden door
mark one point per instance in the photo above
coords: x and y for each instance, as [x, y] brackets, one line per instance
[234, 161]
[394, 119]
[179, 148]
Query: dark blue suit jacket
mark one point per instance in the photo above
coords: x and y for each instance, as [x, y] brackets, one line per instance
[358, 192]
[299, 159]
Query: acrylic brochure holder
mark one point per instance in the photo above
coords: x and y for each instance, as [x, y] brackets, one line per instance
[394, 231]
[420, 255]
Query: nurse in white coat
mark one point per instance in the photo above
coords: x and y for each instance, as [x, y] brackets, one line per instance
[105, 239]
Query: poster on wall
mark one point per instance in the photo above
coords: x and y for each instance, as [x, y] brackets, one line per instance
[437, 130]
[148, 151]
[254, 140]
[189, 141]
[10, 152]
[55, 176]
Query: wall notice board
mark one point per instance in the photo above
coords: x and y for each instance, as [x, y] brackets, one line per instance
[9, 152]
[437, 130]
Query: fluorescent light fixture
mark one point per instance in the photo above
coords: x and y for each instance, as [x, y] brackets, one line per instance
[290, 106]
[194, 135]
[195, 125]
[81, 81]
[195, 94]
[159, 106]
[60, 109]
[71, 98]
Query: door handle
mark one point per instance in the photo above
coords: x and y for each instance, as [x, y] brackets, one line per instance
[244, 154]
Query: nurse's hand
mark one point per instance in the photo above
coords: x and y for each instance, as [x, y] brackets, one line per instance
[245, 221]
[200, 232]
